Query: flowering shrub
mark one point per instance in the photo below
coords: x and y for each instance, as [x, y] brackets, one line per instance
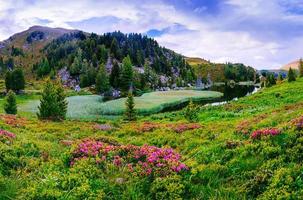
[13, 120]
[143, 160]
[6, 136]
[103, 127]
[245, 126]
[264, 132]
[298, 123]
[180, 128]
[147, 127]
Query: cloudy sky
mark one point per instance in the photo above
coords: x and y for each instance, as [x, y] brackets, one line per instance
[260, 33]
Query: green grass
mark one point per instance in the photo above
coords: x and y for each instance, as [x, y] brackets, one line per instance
[34, 165]
[91, 106]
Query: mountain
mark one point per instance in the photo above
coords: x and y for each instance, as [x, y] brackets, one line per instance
[25, 47]
[41, 51]
[293, 65]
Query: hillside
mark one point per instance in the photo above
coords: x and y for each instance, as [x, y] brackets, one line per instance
[25, 47]
[246, 149]
[293, 65]
[196, 61]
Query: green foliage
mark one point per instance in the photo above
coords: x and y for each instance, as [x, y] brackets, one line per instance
[301, 68]
[10, 105]
[115, 75]
[15, 80]
[76, 67]
[53, 105]
[130, 112]
[102, 81]
[43, 68]
[270, 80]
[127, 74]
[291, 75]
[191, 112]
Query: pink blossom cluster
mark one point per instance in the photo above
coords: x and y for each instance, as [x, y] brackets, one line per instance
[103, 127]
[143, 160]
[180, 128]
[264, 132]
[6, 135]
[298, 123]
[147, 127]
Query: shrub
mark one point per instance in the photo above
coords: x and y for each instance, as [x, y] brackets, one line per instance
[191, 112]
[265, 132]
[10, 105]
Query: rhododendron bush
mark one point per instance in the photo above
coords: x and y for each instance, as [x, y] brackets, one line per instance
[265, 132]
[6, 135]
[142, 160]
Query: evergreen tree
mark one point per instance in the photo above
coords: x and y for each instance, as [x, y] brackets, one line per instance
[102, 82]
[301, 67]
[102, 54]
[130, 112]
[115, 75]
[280, 78]
[61, 101]
[48, 107]
[10, 105]
[114, 48]
[8, 81]
[291, 75]
[18, 81]
[53, 105]
[126, 74]
[76, 67]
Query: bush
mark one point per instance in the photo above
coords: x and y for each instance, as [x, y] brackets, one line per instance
[10, 105]
[191, 112]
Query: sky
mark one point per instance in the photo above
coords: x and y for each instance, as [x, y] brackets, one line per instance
[264, 34]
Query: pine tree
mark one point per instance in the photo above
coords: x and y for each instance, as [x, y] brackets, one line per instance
[291, 75]
[53, 105]
[126, 74]
[280, 78]
[301, 67]
[114, 48]
[18, 81]
[10, 105]
[61, 101]
[115, 75]
[48, 104]
[130, 112]
[8, 81]
[76, 67]
[102, 82]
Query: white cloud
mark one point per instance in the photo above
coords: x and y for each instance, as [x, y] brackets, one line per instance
[208, 37]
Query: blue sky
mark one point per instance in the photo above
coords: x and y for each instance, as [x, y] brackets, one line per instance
[263, 34]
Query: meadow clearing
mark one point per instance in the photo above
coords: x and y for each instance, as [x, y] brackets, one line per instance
[91, 106]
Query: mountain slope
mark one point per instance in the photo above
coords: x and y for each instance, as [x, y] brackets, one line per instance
[293, 65]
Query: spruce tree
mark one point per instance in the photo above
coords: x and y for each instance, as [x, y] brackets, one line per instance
[8, 81]
[126, 74]
[18, 81]
[114, 48]
[115, 75]
[76, 67]
[61, 101]
[291, 75]
[130, 112]
[53, 105]
[102, 82]
[10, 105]
[301, 67]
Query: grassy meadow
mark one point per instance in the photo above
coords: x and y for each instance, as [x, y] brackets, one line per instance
[57, 160]
[91, 106]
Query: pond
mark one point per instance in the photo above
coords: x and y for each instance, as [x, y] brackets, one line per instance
[233, 92]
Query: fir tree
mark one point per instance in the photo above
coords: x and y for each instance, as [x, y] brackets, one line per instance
[10, 105]
[8, 81]
[291, 75]
[126, 74]
[301, 67]
[130, 112]
[53, 105]
[102, 82]
[114, 48]
[76, 67]
[115, 75]
[61, 101]
[280, 78]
